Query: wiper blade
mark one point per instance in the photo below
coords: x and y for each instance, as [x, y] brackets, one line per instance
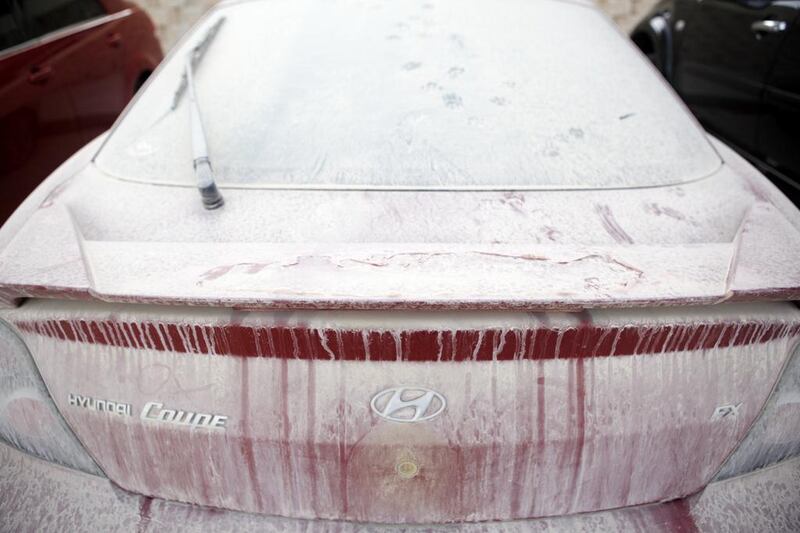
[203, 170]
[195, 58]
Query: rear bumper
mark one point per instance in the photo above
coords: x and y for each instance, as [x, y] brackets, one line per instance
[39, 496]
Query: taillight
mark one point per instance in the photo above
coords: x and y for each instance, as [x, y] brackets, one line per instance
[775, 436]
[29, 420]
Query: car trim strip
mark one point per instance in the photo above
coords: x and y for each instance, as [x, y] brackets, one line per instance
[65, 32]
[491, 344]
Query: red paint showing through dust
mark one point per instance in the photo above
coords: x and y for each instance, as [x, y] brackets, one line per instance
[585, 340]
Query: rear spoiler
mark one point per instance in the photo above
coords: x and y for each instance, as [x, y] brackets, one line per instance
[761, 263]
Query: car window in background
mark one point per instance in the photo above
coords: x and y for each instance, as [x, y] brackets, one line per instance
[45, 16]
[10, 32]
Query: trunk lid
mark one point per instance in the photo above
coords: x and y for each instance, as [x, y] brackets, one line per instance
[726, 237]
[501, 416]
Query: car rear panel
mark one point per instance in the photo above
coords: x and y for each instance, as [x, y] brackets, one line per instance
[546, 413]
[225, 398]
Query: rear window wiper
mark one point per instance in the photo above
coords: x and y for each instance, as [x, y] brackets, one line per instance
[203, 170]
[196, 56]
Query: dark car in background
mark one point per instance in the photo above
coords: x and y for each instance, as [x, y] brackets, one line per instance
[736, 64]
[67, 69]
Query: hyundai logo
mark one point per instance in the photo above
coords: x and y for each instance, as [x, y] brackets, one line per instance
[408, 404]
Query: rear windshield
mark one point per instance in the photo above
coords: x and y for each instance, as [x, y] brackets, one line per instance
[429, 94]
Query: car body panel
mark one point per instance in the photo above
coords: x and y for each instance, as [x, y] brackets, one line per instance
[62, 89]
[396, 249]
[763, 501]
[545, 414]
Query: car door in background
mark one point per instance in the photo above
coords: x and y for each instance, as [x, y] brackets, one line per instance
[47, 71]
[779, 128]
[727, 51]
[90, 56]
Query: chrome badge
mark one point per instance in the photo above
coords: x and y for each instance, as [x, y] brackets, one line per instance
[408, 404]
[155, 411]
[152, 412]
[96, 404]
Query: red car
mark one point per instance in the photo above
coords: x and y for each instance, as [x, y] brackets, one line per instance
[450, 262]
[67, 69]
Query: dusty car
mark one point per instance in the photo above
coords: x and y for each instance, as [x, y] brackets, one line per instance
[428, 263]
[67, 69]
[735, 64]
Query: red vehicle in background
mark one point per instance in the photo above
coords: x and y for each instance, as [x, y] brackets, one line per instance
[67, 69]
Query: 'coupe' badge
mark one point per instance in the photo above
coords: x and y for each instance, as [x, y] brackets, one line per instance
[151, 412]
[408, 404]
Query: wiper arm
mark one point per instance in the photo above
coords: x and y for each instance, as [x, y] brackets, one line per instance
[203, 171]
